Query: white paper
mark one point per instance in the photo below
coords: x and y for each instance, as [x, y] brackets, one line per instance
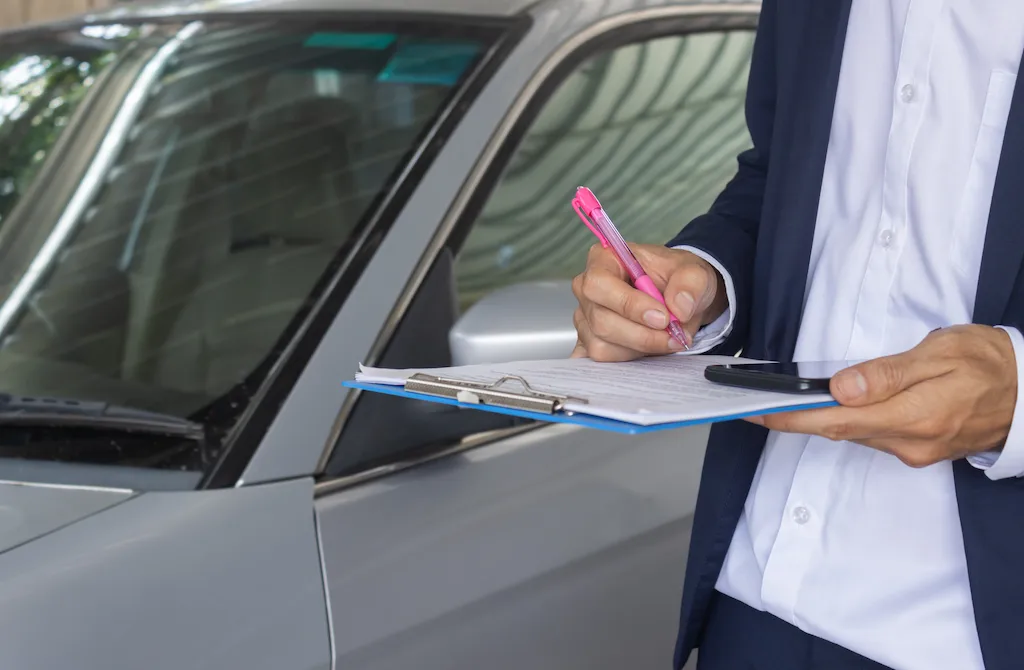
[651, 391]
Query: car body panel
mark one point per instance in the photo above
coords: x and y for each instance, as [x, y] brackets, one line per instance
[150, 9]
[491, 8]
[560, 528]
[28, 511]
[106, 480]
[199, 579]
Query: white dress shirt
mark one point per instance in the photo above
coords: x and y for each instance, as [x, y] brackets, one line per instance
[840, 540]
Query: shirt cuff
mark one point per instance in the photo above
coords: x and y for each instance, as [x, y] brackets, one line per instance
[714, 333]
[1009, 462]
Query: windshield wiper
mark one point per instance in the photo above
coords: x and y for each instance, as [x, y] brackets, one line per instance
[46, 412]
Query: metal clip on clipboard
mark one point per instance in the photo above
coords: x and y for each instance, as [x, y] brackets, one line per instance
[490, 394]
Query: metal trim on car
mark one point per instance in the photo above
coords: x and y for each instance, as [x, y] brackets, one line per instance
[67, 487]
[332, 643]
[467, 443]
[459, 205]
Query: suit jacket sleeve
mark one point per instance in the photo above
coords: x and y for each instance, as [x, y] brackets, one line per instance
[728, 232]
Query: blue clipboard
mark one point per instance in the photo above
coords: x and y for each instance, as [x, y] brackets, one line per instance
[576, 419]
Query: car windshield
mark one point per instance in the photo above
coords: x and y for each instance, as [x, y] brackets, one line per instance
[172, 197]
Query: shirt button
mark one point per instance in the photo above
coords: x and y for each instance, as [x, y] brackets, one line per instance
[907, 93]
[801, 515]
[885, 238]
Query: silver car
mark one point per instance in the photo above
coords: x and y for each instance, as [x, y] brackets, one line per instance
[211, 212]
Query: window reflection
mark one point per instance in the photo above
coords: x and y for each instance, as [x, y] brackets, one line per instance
[38, 94]
[653, 128]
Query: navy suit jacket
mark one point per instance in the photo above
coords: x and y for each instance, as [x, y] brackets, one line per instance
[761, 228]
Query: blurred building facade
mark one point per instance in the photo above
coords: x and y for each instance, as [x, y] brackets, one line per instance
[17, 12]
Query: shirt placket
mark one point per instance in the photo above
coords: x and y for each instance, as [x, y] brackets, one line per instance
[799, 539]
[910, 96]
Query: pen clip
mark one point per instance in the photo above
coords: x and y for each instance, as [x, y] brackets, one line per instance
[578, 206]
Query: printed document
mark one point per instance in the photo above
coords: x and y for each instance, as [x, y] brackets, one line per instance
[646, 392]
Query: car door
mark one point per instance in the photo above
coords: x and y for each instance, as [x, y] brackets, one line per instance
[457, 539]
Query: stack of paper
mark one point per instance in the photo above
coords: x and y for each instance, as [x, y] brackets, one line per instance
[648, 392]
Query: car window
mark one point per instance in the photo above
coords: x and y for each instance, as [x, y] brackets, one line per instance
[240, 169]
[653, 127]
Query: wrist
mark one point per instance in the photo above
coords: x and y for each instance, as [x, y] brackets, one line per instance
[721, 301]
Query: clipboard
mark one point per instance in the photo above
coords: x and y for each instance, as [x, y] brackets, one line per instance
[502, 397]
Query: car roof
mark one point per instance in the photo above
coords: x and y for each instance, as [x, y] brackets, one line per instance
[144, 8]
[490, 8]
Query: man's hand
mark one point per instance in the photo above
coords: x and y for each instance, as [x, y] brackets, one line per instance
[616, 322]
[951, 396]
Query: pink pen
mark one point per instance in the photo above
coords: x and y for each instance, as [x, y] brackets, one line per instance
[593, 215]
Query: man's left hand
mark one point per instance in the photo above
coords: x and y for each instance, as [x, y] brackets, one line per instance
[951, 396]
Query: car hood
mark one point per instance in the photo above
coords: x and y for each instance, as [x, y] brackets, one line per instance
[29, 511]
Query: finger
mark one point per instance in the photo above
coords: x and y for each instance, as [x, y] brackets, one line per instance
[914, 453]
[604, 324]
[690, 291]
[597, 349]
[602, 259]
[579, 351]
[598, 288]
[882, 378]
[901, 417]
[806, 422]
[691, 327]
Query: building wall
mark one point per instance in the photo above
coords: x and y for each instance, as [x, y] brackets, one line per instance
[17, 12]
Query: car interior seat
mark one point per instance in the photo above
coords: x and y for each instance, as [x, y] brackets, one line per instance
[290, 208]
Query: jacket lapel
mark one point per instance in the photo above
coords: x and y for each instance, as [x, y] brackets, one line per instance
[987, 508]
[1004, 239]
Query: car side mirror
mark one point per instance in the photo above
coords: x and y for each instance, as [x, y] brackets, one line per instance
[529, 321]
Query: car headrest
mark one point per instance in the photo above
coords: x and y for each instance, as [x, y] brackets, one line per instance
[293, 175]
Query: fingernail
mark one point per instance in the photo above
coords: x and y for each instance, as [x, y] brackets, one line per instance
[655, 319]
[685, 303]
[851, 384]
[674, 344]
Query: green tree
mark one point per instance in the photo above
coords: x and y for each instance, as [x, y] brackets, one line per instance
[38, 94]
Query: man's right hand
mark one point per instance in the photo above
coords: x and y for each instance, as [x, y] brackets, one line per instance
[616, 322]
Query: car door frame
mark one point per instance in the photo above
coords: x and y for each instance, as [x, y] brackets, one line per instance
[618, 30]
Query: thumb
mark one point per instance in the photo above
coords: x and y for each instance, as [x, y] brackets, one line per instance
[690, 291]
[880, 379]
